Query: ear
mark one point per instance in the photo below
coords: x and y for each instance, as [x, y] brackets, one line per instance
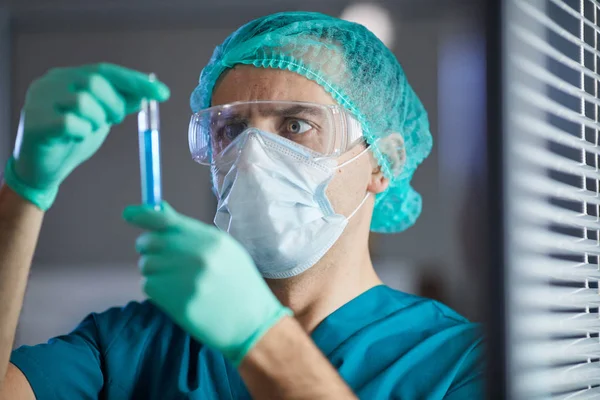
[393, 146]
[378, 182]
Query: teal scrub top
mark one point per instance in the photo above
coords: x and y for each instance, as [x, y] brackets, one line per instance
[385, 344]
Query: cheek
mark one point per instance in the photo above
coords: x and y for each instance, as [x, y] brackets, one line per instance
[348, 186]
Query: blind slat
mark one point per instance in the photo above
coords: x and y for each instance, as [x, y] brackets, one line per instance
[544, 158]
[548, 23]
[574, 378]
[585, 394]
[540, 211]
[544, 103]
[538, 72]
[539, 266]
[536, 326]
[548, 187]
[538, 44]
[544, 130]
[595, 2]
[558, 297]
[560, 351]
[542, 240]
[575, 14]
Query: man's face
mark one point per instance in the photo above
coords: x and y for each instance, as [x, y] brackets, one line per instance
[247, 83]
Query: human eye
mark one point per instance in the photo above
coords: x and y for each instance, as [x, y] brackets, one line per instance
[231, 129]
[295, 126]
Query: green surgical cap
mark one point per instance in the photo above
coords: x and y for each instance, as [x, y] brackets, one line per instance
[361, 74]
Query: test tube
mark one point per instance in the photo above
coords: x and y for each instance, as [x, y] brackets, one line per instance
[149, 145]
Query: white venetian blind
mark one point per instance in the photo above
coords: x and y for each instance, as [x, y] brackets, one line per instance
[551, 163]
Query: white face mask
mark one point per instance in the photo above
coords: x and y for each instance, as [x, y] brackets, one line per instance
[272, 200]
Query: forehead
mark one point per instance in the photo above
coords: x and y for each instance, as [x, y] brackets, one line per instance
[248, 83]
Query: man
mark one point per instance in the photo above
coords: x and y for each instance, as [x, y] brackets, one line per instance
[312, 134]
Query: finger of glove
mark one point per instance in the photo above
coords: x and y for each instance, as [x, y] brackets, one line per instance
[49, 124]
[151, 286]
[113, 103]
[151, 243]
[132, 104]
[85, 106]
[152, 264]
[163, 287]
[154, 287]
[169, 243]
[170, 292]
[133, 84]
[146, 217]
[66, 80]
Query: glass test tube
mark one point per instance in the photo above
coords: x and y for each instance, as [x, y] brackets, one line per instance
[149, 146]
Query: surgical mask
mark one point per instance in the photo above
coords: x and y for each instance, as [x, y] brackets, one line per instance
[272, 199]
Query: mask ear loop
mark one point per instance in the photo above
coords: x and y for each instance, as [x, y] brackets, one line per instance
[359, 206]
[368, 194]
[353, 158]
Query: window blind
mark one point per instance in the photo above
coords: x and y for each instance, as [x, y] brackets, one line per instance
[551, 161]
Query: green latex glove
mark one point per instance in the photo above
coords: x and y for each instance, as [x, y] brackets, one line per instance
[203, 279]
[66, 117]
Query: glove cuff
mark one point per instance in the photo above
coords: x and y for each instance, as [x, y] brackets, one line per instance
[43, 199]
[251, 342]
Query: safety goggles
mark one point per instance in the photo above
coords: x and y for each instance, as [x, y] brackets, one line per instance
[325, 130]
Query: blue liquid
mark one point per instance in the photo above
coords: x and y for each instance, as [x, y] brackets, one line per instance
[149, 141]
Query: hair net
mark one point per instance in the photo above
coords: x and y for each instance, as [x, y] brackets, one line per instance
[360, 73]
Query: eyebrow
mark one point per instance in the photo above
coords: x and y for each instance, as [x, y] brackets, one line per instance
[273, 112]
[292, 110]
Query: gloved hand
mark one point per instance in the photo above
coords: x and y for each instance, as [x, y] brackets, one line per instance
[67, 115]
[204, 280]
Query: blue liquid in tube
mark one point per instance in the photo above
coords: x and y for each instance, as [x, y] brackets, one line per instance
[149, 146]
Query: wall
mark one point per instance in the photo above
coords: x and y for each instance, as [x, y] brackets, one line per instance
[5, 99]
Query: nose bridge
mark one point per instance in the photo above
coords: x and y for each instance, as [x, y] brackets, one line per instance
[260, 121]
[252, 131]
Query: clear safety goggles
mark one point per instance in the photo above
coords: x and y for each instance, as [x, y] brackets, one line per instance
[326, 130]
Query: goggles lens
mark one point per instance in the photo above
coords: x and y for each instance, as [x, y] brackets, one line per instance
[326, 130]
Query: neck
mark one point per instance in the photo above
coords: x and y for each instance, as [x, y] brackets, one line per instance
[343, 274]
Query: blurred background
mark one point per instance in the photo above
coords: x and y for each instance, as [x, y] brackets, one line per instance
[85, 260]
